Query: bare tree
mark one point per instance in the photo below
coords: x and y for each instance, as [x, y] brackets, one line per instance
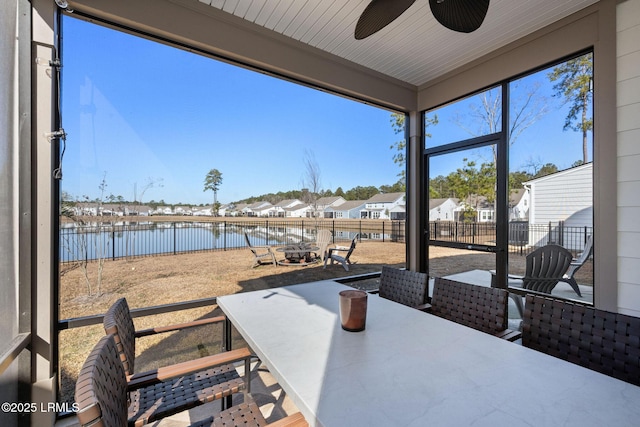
[311, 181]
[485, 118]
[90, 236]
[151, 183]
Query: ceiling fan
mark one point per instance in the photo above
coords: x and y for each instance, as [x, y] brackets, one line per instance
[463, 16]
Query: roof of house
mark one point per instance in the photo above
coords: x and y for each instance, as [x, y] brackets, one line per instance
[297, 207]
[386, 197]
[516, 195]
[348, 205]
[434, 203]
[560, 173]
[285, 203]
[328, 200]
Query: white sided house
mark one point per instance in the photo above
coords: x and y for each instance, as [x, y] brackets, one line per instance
[563, 199]
[380, 205]
[280, 208]
[349, 209]
[297, 211]
[519, 202]
[323, 203]
[442, 209]
[261, 208]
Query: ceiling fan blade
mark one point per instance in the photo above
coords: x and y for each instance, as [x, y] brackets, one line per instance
[464, 16]
[378, 14]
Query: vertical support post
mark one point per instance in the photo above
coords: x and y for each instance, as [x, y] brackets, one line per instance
[502, 194]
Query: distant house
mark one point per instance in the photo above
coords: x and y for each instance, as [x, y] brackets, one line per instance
[202, 211]
[398, 213]
[519, 204]
[182, 210]
[484, 210]
[564, 197]
[142, 210]
[87, 208]
[442, 209]
[163, 210]
[280, 208]
[326, 202]
[222, 210]
[260, 208]
[298, 211]
[380, 205]
[236, 210]
[348, 209]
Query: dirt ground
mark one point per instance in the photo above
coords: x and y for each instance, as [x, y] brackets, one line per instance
[168, 279]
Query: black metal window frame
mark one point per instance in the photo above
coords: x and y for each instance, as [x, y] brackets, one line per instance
[502, 171]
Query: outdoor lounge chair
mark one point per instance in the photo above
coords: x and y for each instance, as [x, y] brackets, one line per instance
[323, 240]
[259, 255]
[167, 390]
[344, 260]
[478, 307]
[101, 395]
[596, 339]
[410, 288]
[576, 263]
[545, 267]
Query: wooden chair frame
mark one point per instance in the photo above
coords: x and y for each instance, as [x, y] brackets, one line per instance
[156, 394]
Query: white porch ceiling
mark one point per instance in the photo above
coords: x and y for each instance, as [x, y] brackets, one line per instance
[415, 48]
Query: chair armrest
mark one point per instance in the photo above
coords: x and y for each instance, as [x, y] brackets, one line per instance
[293, 420]
[509, 335]
[156, 376]
[424, 307]
[178, 326]
[261, 247]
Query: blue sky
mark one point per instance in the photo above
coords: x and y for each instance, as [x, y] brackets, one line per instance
[137, 111]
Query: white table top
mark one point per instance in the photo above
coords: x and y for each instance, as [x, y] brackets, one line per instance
[409, 368]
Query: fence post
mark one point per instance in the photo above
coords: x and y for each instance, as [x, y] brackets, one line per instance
[383, 231]
[333, 231]
[174, 238]
[302, 231]
[113, 243]
[266, 223]
[224, 239]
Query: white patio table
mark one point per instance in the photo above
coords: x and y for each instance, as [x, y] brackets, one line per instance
[408, 368]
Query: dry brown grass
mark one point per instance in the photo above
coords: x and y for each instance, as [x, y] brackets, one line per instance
[167, 279]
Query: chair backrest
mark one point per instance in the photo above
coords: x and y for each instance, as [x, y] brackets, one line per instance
[118, 322]
[404, 286]
[323, 238]
[479, 307]
[586, 252]
[596, 339]
[101, 389]
[545, 267]
[352, 247]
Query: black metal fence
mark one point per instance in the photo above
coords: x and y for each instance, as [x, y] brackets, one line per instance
[113, 240]
[523, 237]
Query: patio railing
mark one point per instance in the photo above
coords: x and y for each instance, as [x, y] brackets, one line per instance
[115, 240]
